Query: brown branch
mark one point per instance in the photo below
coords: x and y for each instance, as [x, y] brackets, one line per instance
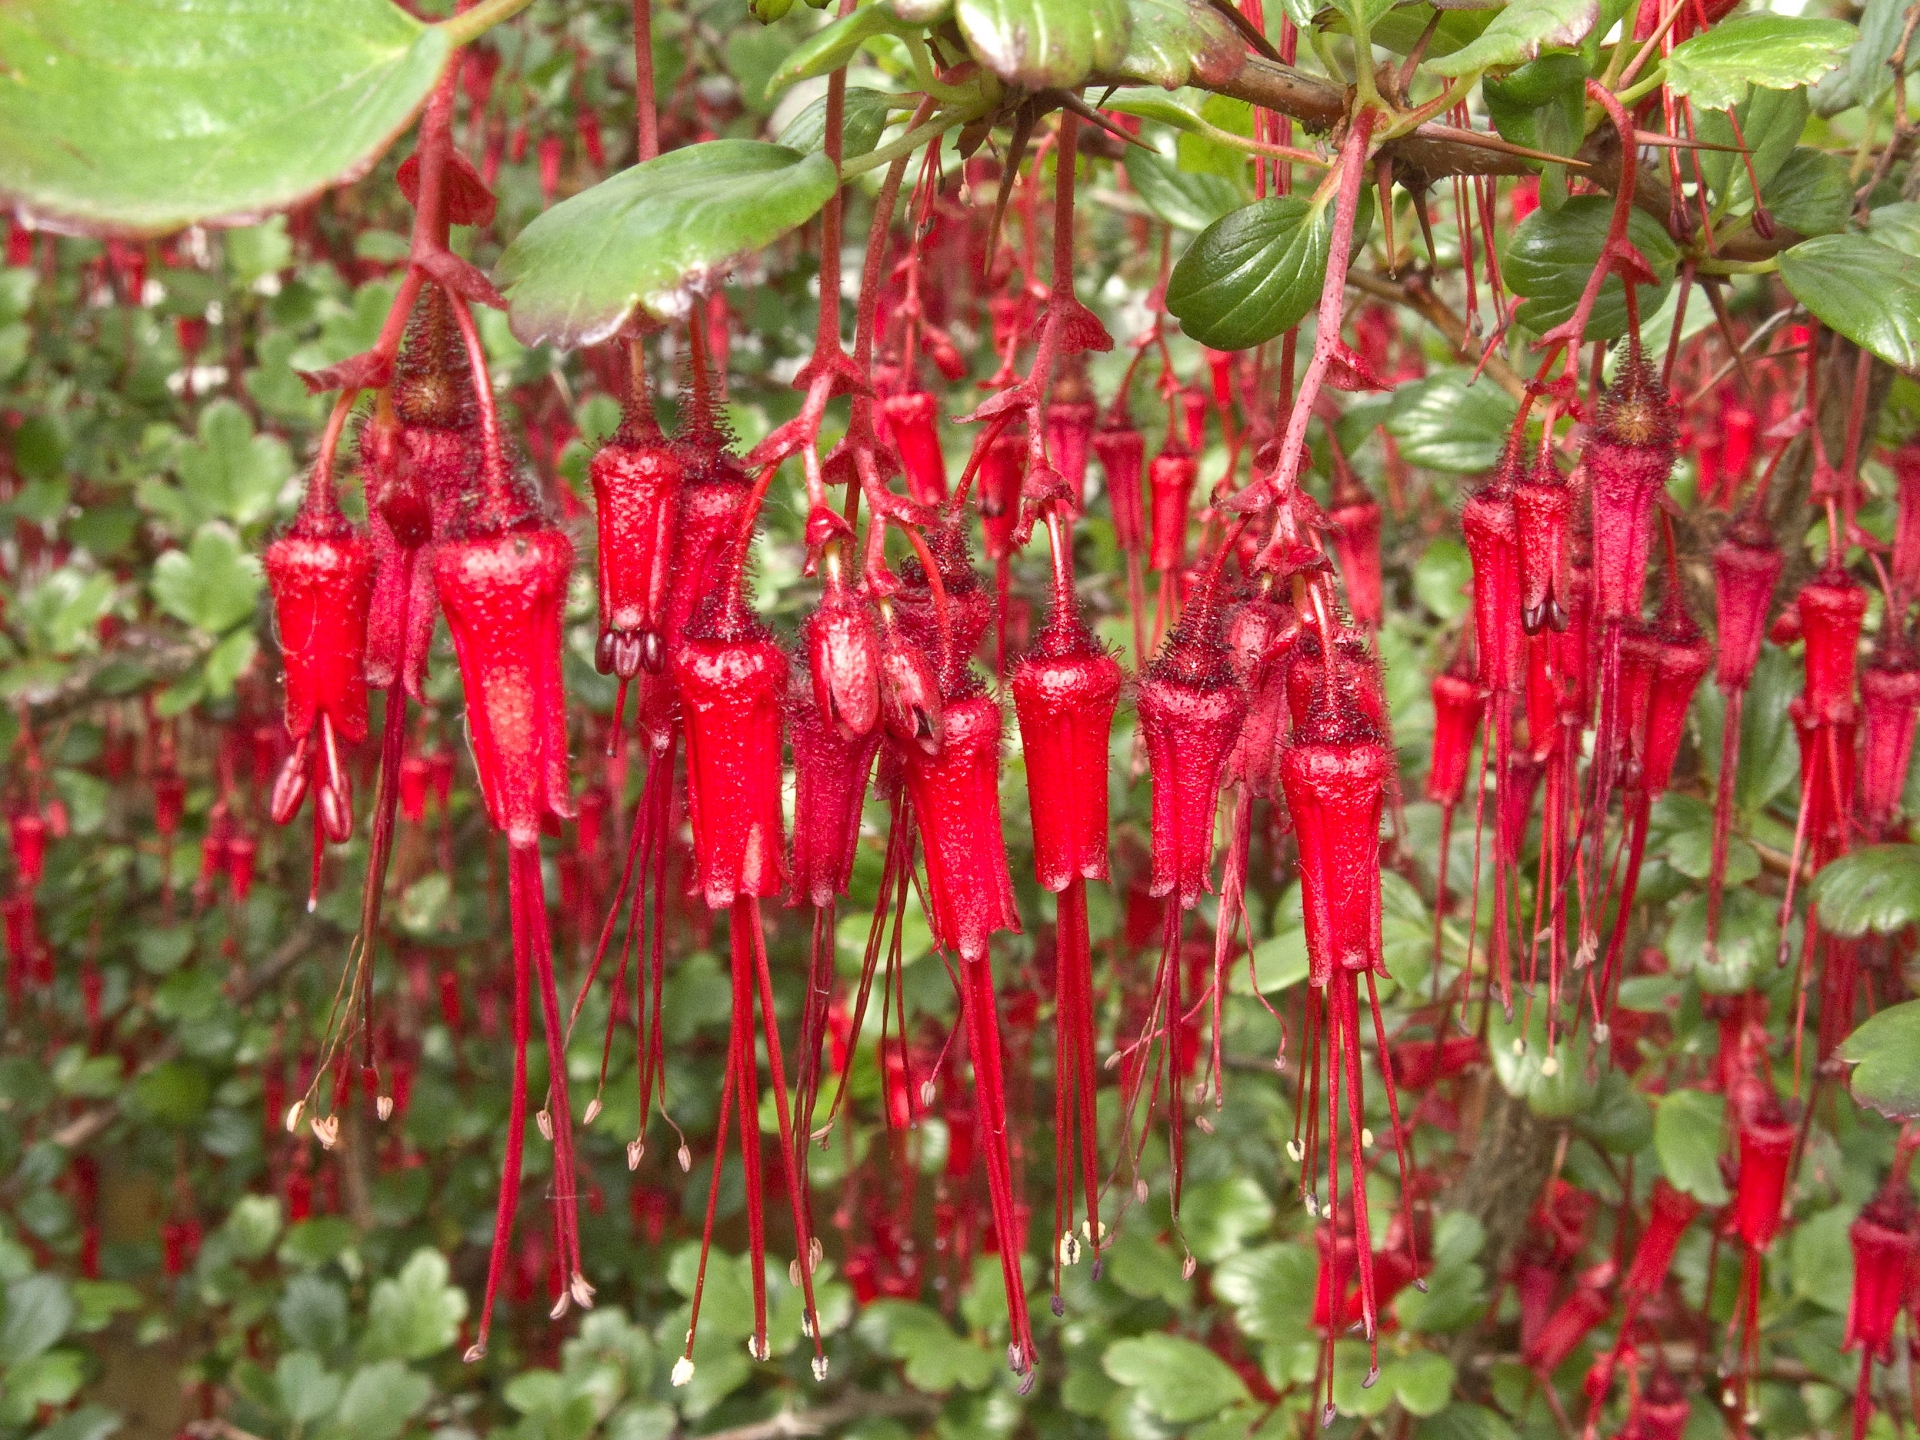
[139, 657]
[1417, 295]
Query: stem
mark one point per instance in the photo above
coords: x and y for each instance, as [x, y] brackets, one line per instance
[646, 116]
[465, 28]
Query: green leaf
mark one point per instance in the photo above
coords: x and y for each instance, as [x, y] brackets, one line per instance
[1550, 257]
[145, 116]
[379, 1401]
[1885, 1054]
[1179, 197]
[1770, 123]
[174, 1092]
[1467, 1422]
[1443, 423]
[307, 1391]
[313, 1312]
[1687, 1130]
[1866, 76]
[652, 237]
[1217, 1216]
[1897, 227]
[1172, 41]
[1812, 193]
[1422, 1382]
[229, 474]
[60, 613]
[38, 1311]
[1554, 1085]
[1177, 1379]
[937, 1360]
[1876, 888]
[1861, 288]
[861, 126]
[831, 47]
[1254, 273]
[1517, 33]
[1178, 108]
[1271, 1289]
[1778, 52]
[1822, 1260]
[89, 1422]
[214, 585]
[253, 1225]
[1039, 44]
[415, 1314]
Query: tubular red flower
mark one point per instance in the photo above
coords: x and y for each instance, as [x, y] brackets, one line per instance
[1746, 566]
[732, 680]
[1191, 710]
[831, 774]
[1543, 512]
[1492, 536]
[1628, 459]
[1457, 706]
[911, 419]
[1885, 1247]
[1356, 544]
[1905, 564]
[1064, 693]
[1671, 1211]
[636, 480]
[1002, 471]
[1831, 607]
[1170, 479]
[1123, 456]
[1070, 440]
[956, 800]
[1889, 705]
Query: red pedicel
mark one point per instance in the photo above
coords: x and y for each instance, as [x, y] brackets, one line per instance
[1191, 709]
[1889, 706]
[636, 479]
[911, 420]
[1170, 479]
[1627, 461]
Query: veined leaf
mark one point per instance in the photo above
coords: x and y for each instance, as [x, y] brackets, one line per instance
[1777, 52]
[830, 48]
[1885, 1054]
[1180, 197]
[1173, 41]
[1875, 889]
[1687, 1126]
[1865, 290]
[1550, 258]
[1516, 34]
[862, 123]
[651, 237]
[1041, 43]
[143, 116]
[1254, 273]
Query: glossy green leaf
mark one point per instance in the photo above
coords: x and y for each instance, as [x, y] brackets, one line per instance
[1770, 122]
[1861, 288]
[1779, 52]
[652, 237]
[1812, 193]
[1040, 43]
[1443, 423]
[1174, 41]
[1874, 889]
[1550, 258]
[143, 116]
[1518, 32]
[1885, 1055]
[1254, 273]
[1467, 1422]
[830, 48]
[1688, 1126]
[1897, 227]
[1553, 1083]
[1866, 76]
[1178, 1380]
[1179, 197]
[862, 123]
[35, 1314]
